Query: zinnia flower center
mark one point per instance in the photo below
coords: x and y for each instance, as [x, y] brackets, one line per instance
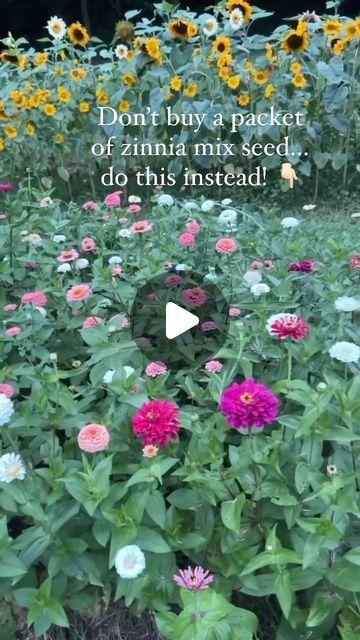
[13, 470]
[247, 397]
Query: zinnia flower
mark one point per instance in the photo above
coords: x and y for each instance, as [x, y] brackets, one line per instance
[90, 205]
[214, 366]
[68, 255]
[249, 404]
[6, 409]
[226, 245]
[78, 292]
[113, 199]
[193, 227]
[290, 223]
[37, 298]
[13, 331]
[347, 304]
[259, 289]
[305, 266]
[187, 239]
[93, 437]
[88, 244]
[194, 578]
[345, 352]
[130, 561]
[166, 200]
[156, 422]
[150, 451]
[7, 389]
[354, 262]
[141, 226]
[155, 369]
[173, 280]
[11, 467]
[287, 325]
[91, 321]
[10, 307]
[195, 297]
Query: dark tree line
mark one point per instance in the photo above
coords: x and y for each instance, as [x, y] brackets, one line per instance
[26, 17]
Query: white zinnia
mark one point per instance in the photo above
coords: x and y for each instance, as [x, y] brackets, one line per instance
[64, 267]
[124, 233]
[208, 205]
[236, 19]
[130, 561]
[6, 409]
[34, 239]
[11, 467]
[114, 260]
[226, 202]
[346, 303]
[190, 206]
[289, 223]
[211, 277]
[108, 376]
[41, 310]
[81, 263]
[134, 199]
[210, 26]
[121, 51]
[252, 277]
[345, 352]
[309, 207]
[59, 238]
[56, 27]
[183, 267]
[166, 200]
[228, 218]
[259, 289]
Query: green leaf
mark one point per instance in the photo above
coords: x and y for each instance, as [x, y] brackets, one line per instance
[324, 608]
[344, 575]
[150, 540]
[353, 556]
[231, 512]
[284, 593]
[156, 508]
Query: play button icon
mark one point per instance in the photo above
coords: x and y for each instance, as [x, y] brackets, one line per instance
[178, 320]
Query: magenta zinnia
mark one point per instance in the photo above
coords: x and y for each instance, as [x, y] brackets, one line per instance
[157, 422]
[305, 266]
[194, 578]
[249, 404]
[287, 325]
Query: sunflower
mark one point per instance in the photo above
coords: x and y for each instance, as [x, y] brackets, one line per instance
[59, 138]
[270, 89]
[10, 131]
[222, 44]
[78, 34]
[30, 129]
[244, 6]
[129, 79]
[352, 29]
[124, 106]
[260, 76]
[64, 94]
[84, 107]
[233, 82]
[3, 114]
[243, 99]
[182, 28]
[152, 47]
[299, 81]
[124, 29]
[41, 58]
[224, 60]
[2, 144]
[224, 73]
[295, 41]
[176, 83]
[270, 52]
[191, 90]
[7, 56]
[78, 73]
[50, 109]
[296, 67]
[102, 96]
[339, 45]
[332, 27]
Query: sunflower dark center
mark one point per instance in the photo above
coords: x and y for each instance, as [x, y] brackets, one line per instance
[295, 41]
[78, 34]
[180, 28]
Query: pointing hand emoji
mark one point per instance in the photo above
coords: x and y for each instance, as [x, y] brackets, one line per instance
[288, 173]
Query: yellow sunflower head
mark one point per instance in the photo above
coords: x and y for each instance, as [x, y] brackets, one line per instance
[332, 27]
[182, 28]
[244, 6]
[124, 29]
[243, 99]
[260, 75]
[352, 29]
[78, 34]
[299, 81]
[295, 41]
[221, 45]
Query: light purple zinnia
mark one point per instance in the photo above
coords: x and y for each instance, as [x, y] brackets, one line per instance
[249, 404]
[194, 578]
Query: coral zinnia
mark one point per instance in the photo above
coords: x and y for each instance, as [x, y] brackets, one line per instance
[287, 325]
[157, 422]
[182, 28]
[78, 34]
[249, 404]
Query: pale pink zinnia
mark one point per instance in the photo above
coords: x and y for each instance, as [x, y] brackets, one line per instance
[90, 205]
[150, 451]
[93, 437]
[173, 280]
[7, 389]
[68, 255]
[10, 307]
[193, 227]
[133, 208]
[116, 270]
[208, 325]
[234, 312]
[156, 368]
[141, 226]
[354, 262]
[113, 199]
[194, 578]
[37, 298]
[88, 244]
[226, 245]
[214, 366]
[195, 297]
[78, 292]
[91, 321]
[13, 331]
[187, 239]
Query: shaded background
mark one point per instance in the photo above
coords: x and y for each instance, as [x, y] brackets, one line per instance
[28, 17]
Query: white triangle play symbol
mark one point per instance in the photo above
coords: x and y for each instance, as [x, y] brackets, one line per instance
[178, 320]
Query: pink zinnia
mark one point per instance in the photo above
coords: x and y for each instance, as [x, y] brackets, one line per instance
[173, 280]
[30, 264]
[256, 265]
[7, 389]
[354, 262]
[113, 199]
[78, 292]
[249, 404]
[284, 325]
[305, 266]
[93, 437]
[214, 366]
[13, 331]
[141, 226]
[133, 208]
[88, 244]
[155, 369]
[150, 451]
[37, 298]
[234, 312]
[194, 578]
[120, 322]
[10, 307]
[268, 264]
[156, 422]
[6, 186]
[116, 270]
[193, 227]
[91, 321]
[187, 239]
[195, 297]
[226, 245]
[68, 255]
[90, 205]
[208, 325]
